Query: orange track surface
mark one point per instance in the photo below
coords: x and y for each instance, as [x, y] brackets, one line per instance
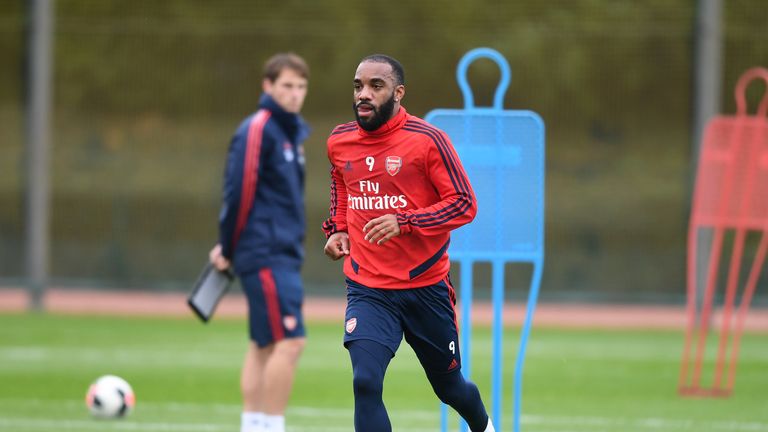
[76, 301]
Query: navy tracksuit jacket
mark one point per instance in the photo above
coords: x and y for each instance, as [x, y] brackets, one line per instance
[261, 223]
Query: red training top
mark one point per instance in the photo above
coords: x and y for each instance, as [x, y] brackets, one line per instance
[409, 168]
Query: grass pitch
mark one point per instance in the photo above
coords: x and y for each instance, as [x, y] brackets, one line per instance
[185, 376]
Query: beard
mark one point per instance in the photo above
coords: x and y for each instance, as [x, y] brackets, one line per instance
[380, 115]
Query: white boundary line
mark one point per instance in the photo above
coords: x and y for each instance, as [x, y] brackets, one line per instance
[548, 423]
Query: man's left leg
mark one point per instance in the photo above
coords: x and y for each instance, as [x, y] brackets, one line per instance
[462, 395]
[432, 333]
[278, 381]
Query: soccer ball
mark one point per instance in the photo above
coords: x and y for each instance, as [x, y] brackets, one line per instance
[110, 397]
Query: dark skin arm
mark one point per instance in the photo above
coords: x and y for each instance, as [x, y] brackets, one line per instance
[382, 229]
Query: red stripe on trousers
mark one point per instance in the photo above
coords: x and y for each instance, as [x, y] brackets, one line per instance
[250, 171]
[273, 305]
[452, 300]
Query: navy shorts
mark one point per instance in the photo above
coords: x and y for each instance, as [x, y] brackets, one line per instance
[275, 297]
[425, 316]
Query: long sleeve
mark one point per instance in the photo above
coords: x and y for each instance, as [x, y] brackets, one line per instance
[457, 205]
[233, 185]
[241, 180]
[337, 221]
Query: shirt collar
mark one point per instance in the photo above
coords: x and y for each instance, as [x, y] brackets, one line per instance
[291, 123]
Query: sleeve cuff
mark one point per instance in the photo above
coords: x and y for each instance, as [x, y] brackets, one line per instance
[331, 229]
[405, 226]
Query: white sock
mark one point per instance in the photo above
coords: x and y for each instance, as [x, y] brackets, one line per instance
[274, 423]
[252, 422]
[489, 426]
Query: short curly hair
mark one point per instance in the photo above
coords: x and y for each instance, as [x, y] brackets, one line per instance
[397, 68]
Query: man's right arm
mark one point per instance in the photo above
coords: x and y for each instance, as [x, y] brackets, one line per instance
[232, 192]
[337, 220]
[335, 227]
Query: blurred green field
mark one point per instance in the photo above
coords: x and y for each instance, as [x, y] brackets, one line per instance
[185, 375]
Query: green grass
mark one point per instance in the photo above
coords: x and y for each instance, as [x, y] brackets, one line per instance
[185, 375]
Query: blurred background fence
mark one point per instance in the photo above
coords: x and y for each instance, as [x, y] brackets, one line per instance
[147, 93]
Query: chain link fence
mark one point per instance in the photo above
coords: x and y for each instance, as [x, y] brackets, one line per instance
[147, 94]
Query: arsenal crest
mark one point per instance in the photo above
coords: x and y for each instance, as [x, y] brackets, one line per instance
[351, 324]
[288, 152]
[289, 322]
[393, 164]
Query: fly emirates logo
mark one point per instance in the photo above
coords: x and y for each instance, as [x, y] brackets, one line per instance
[369, 198]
